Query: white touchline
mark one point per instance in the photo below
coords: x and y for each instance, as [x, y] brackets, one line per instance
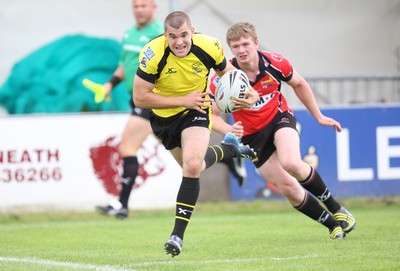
[71, 265]
[307, 256]
[63, 264]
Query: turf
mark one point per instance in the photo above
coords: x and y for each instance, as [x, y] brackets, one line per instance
[221, 236]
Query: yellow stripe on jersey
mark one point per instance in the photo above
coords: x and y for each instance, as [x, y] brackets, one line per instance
[174, 76]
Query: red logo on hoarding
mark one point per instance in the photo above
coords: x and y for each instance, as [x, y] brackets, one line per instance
[107, 164]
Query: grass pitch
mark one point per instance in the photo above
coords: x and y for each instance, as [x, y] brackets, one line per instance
[221, 236]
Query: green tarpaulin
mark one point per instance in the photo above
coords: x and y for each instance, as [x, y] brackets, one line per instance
[49, 80]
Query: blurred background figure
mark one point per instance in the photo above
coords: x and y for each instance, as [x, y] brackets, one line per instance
[138, 126]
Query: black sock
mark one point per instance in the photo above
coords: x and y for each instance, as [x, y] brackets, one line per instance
[313, 209]
[218, 153]
[318, 188]
[185, 203]
[130, 172]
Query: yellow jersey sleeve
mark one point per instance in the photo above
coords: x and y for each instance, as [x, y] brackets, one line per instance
[149, 58]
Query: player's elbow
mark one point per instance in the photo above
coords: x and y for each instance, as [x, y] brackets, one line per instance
[138, 101]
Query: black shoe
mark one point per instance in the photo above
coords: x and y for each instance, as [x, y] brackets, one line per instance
[241, 151]
[240, 171]
[115, 208]
[346, 220]
[174, 245]
[337, 233]
[237, 168]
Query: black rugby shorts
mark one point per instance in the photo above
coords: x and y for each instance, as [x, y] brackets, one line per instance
[169, 130]
[263, 141]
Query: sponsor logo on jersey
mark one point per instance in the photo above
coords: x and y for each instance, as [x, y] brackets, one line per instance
[262, 101]
[197, 68]
[170, 71]
[217, 44]
[147, 55]
[267, 83]
[143, 62]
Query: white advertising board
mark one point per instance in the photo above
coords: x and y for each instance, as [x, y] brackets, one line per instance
[71, 162]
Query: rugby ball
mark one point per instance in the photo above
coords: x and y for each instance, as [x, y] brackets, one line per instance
[231, 85]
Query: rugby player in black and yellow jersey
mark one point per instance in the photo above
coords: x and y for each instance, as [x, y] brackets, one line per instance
[172, 81]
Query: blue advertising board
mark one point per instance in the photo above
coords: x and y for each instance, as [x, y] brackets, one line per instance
[361, 161]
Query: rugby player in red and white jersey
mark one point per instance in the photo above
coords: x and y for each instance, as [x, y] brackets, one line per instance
[270, 129]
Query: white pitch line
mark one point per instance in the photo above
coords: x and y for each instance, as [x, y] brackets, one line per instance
[111, 268]
[62, 264]
[245, 260]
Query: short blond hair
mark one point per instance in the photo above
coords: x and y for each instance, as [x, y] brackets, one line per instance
[241, 29]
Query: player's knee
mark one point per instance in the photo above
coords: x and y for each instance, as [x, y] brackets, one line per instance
[192, 167]
[122, 149]
[126, 149]
[292, 167]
